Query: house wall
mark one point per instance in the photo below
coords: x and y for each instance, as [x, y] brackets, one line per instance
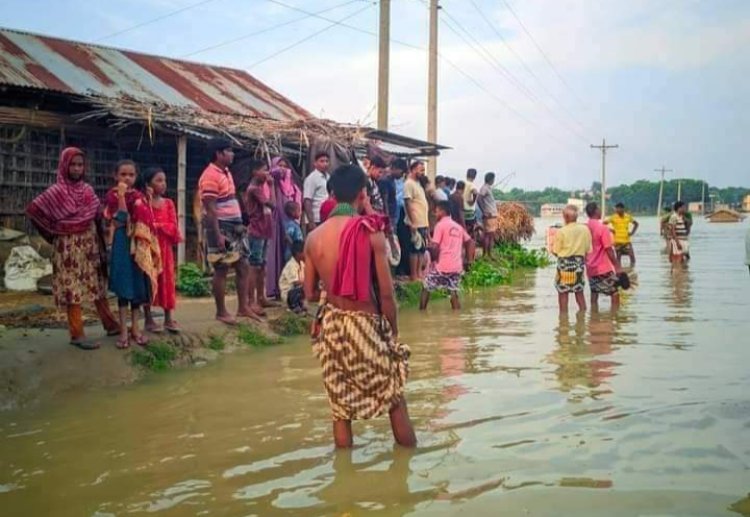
[29, 156]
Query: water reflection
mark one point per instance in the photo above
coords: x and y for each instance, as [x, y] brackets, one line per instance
[581, 369]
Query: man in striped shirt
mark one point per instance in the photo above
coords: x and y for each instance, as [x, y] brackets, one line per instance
[679, 247]
[225, 233]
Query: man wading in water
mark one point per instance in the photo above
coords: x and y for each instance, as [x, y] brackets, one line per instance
[355, 335]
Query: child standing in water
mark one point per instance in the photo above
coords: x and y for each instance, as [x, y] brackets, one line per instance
[135, 260]
[153, 182]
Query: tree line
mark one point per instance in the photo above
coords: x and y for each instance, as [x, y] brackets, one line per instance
[640, 197]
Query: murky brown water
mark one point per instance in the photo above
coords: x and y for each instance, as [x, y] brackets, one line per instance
[518, 412]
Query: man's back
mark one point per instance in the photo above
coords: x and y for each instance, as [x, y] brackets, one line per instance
[323, 257]
[621, 226]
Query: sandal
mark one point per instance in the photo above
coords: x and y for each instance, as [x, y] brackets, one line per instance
[154, 329]
[140, 339]
[172, 328]
[122, 343]
[85, 344]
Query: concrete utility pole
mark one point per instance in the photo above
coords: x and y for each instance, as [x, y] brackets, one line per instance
[603, 149]
[384, 63]
[703, 198]
[679, 190]
[432, 85]
[661, 191]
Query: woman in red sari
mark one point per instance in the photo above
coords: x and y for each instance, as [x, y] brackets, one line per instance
[154, 183]
[65, 215]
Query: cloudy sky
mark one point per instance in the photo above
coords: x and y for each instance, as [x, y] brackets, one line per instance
[525, 86]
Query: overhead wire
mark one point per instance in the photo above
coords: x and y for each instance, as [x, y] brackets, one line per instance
[525, 66]
[331, 25]
[542, 52]
[154, 20]
[268, 29]
[506, 73]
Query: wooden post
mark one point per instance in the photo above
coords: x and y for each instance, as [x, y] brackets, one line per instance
[181, 194]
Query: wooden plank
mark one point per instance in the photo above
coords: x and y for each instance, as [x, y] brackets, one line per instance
[181, 194]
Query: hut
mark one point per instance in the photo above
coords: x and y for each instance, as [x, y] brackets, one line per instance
[155, 110]
[725, 215]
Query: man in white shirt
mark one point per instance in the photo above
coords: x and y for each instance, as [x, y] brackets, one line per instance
[471, 192]
[315, 190]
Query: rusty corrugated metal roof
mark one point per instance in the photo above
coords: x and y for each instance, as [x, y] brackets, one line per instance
[47, 63]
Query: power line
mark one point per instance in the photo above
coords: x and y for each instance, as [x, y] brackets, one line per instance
[267, 29]
[154, 20]
[507, 74]
[544, 54]
[494, 29]
[309, 37]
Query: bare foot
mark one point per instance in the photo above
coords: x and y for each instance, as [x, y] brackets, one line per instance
[257, 309]
[226, 319]
[249, 314]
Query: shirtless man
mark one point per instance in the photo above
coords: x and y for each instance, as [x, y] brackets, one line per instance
[356, 331]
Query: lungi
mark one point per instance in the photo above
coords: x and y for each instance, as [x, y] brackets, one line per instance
[604, 284]
[569, 277]
[364, 369]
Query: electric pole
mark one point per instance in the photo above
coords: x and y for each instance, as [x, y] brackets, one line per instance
[679, 190]
[603, 149]
[384, 35]
[703, 198]
[432, 85]
[661, 190]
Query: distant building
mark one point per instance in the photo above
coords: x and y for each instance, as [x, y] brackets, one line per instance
[578, 203]
[696, 207]
[552, 209]
[746, 204]
[725, 215]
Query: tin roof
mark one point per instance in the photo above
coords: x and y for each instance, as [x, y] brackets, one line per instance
[53, 64]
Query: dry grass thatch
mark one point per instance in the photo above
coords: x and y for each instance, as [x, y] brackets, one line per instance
[124, 111]
[515, 223]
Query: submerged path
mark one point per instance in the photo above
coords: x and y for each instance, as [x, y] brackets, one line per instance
[646, 411]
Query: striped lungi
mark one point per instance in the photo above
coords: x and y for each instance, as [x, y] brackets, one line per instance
[364, 369]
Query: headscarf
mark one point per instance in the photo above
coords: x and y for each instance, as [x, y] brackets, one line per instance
[67, 207]
[284, 178]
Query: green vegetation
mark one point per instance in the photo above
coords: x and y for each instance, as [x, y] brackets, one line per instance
[640, 197]
[255, 338]
[156, 356]
[408, 294]
[290, 324]
[497, 270]
[191, 282]
[216, 343]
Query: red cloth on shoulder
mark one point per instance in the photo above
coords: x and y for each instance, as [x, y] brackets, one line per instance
[353, 276]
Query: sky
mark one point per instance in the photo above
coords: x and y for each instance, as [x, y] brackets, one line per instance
[525, 86]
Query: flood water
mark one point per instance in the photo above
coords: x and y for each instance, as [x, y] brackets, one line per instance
[518, 412]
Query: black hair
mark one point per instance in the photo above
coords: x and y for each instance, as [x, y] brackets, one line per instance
[678, 205]
[439, 179]
[450, 182]
[460, 185]
[489, 177]
[591, 209]
[143, 180]
[321, 154]
[399, 164]
[289, 206]
[297, 247]
[347, 182]
[414, 164]
[123, 163]
[471, 173]
[217, 145]
[445, 206]
[619, 205]
[256, 165]
[377, 161]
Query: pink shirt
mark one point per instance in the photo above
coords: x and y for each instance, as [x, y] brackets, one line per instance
[450, 238]
[597, 261]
